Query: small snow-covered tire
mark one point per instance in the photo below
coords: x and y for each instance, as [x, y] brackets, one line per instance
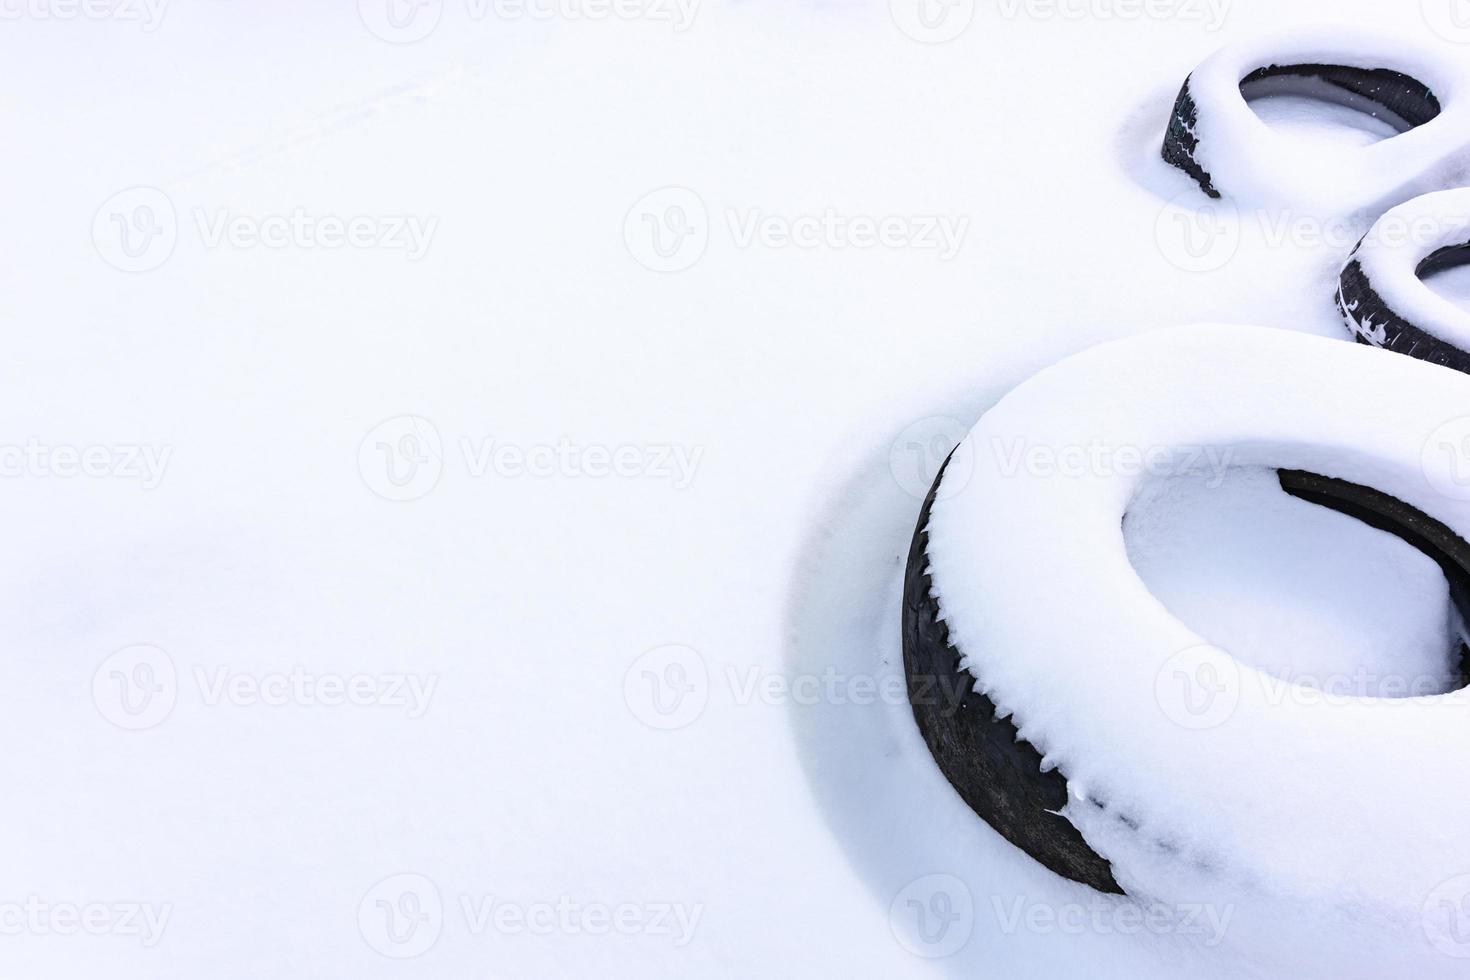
[1217, 139]
[1064, 745]
[1382, 294]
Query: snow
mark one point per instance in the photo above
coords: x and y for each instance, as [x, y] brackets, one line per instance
[798, 833]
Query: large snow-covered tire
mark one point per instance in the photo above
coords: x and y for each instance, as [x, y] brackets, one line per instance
[1214, 136]
[1382, 294]
[1062, 745]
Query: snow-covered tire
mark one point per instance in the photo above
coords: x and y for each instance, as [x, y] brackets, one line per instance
[1382, 293]
[1214, 136]
[996, 772]
[1065, 744]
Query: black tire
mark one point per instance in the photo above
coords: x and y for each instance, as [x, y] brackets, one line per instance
[999, 775]
[1399, 99]
[984, 758]
[1373, 312]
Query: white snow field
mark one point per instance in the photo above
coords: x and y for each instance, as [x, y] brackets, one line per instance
[459, 460]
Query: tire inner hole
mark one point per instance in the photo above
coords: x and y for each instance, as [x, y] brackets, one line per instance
[1447, 272]
[1318, 582]
[1338, 106]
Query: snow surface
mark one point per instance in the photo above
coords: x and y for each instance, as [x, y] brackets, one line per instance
[816, 381]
